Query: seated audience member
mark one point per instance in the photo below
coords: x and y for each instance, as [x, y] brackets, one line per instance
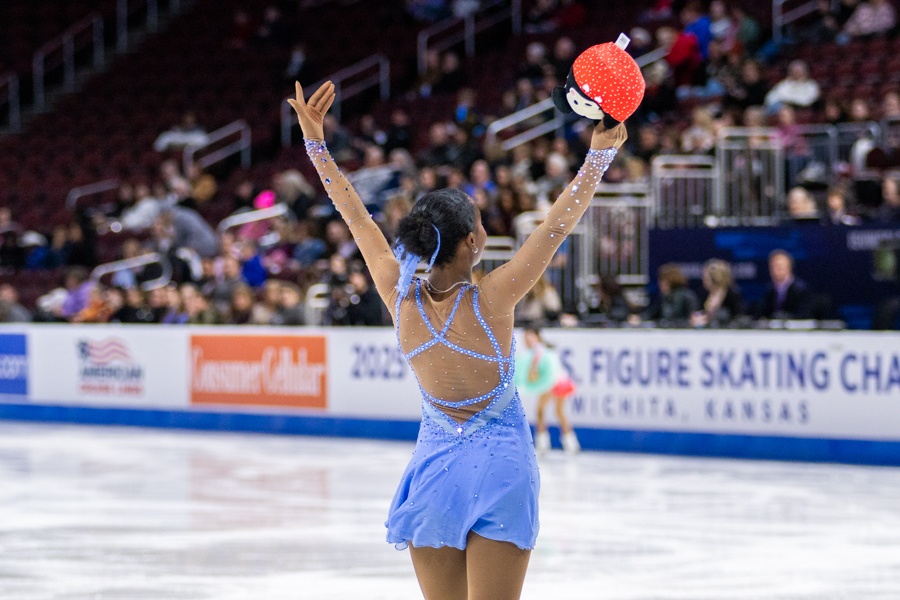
[837, 209]
[535, 59]
[375, 178]
[78, 287]
[700, 137]
[612, 305]
[135, 309]
[452, 76]
[801, 205]
[676, 302]
[798, 89]
[889, 211]
[97, 309]
[81, 244]
[10, 309]
[564, 54]
[241, 307]
[292, 189]
[307, 249]
[365, 306]
[201, 312]
[697, 23]
[158, 301]
[203, 185]
[684, 56]
[175, 312]
[723, 300]
[749, 90]
[265, 310]
[143, 212]
[746, 29]
[399, 133]
[541, 304]
[192, 231]
[186, 133]
[252, 270]
[873, 17]
[290, 310]
[338, 239]
[540, 17]
[786, 297]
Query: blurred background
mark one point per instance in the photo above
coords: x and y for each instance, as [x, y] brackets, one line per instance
[151, 172]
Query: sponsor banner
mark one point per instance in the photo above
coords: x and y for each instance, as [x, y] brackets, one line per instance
[816, 384]
[259, 370]
[13, 364]
[108, 365]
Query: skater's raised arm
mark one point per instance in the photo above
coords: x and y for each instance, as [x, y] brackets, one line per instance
[374, 247]
[505, 286]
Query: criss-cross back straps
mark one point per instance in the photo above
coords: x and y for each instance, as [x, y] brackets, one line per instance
[439, 337]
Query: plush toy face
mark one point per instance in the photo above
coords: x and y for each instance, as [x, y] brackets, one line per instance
[583, 106]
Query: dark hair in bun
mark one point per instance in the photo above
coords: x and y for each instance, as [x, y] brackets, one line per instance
[451, 211]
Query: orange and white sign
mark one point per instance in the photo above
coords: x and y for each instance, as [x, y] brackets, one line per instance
[264, 370]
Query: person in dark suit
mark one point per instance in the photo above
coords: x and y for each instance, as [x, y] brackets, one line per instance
[786, 297]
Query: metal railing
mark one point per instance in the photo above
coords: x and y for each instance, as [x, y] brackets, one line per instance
[617, 238]
[65, 47]
[379, 69]
[555, 123]
[780, 18]
[241, 145]
[451, 33]
[684, 189]
[14, 119]
[752, 176]
[138, 261]
[87, 190]
[252, 217]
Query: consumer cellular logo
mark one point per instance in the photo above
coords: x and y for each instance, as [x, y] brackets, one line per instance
[265, 370]
[13, 364]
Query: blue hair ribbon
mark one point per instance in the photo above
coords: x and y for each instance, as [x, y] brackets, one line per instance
[409, 261]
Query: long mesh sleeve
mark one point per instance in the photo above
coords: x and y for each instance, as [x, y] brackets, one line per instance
[371, 241]
[505, 286]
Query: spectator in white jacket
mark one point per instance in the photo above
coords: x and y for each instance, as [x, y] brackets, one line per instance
[143, 212]
[798, 89]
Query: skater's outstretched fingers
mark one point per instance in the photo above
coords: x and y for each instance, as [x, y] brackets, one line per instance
[311, 114]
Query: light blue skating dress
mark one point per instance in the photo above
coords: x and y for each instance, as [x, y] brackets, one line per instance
[480, 475]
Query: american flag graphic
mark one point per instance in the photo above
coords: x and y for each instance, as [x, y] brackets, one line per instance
[104, 352]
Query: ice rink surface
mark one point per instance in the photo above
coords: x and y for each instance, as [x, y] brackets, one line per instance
[139, 514]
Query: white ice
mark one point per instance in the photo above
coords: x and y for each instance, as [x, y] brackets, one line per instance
[135, 514]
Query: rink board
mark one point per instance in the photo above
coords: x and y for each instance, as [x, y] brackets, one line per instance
[818, 396]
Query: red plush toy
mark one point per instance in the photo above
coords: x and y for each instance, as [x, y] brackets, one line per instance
[604, 83]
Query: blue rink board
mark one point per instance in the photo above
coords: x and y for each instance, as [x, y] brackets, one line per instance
[657, 442]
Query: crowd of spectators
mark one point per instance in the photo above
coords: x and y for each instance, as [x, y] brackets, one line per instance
[266, 271]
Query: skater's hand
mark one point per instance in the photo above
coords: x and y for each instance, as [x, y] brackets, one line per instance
[311, 114]
[604, 138]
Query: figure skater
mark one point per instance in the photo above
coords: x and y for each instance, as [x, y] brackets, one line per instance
[467, 503]
[540, 372]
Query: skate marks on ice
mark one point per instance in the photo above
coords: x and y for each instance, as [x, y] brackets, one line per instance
[133, 514]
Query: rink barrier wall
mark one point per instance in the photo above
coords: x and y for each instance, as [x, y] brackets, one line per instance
[814, 396]
[653, 442]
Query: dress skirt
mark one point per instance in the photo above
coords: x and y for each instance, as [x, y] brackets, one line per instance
[479, 476]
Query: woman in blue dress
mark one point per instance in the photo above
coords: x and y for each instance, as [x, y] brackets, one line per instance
[467, 503]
